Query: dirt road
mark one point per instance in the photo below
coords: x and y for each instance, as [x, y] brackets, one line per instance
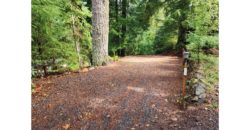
[138, 92]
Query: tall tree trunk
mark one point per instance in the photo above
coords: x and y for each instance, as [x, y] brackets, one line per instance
[100, 22]
[124, 25]
[45, 70]
[124, 16]
[117, 21]
[181, 37]
[77, 44]
[116, 10]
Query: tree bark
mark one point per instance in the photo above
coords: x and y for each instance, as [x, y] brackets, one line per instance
[100, 32]
[117, 21]
[124, 25]
[124, 16]
[181, 37]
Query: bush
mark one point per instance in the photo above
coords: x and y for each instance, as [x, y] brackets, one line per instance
[209, 65]
[211, 42]
[202, 42]
[115, 58]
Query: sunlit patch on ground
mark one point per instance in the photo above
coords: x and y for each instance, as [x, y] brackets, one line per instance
[135, 89]
[140, 93]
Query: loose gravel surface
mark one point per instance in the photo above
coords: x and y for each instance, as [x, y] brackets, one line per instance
[135, 93]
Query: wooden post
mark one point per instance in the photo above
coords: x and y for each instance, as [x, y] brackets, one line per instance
[184, 78]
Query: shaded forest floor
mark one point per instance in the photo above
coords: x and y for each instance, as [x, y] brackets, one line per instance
[138, 92]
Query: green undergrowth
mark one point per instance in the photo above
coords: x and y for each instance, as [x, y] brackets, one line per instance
[115, 58]
[209, 67]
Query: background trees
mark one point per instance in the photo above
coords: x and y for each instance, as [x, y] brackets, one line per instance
[60, 35]
[156, 26]
[61, 30]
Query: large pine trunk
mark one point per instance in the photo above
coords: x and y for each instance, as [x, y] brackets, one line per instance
[181, 41]
[124, 25]
[100, 22]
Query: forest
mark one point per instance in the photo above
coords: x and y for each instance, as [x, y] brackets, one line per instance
[62, 30]
[125, 64]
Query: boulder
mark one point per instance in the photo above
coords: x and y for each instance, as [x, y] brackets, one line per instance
[199, 75]
[199, 88]
[195, 99]
[200, 92]
[202, 96]
[91, 68]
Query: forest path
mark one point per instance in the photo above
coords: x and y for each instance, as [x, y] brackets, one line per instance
[138, 92]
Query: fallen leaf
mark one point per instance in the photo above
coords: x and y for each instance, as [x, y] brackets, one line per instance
[174, 119]
[84, 70]
[66, 126]
[38, 88]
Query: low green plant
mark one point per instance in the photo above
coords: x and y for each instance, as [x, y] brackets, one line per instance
[32, 87]
[209, 66]
[115, 58]
[214, 105]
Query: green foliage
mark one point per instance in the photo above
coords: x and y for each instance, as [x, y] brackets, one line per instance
[214, 105]
[136, 27]
[53, 41]
[201, 21]
[202, 42]
[115, 58]
[154, 26]
[210, 67]
[166, 37]
[204, 20]
[143, 20]
[32, 87]
[211, 42]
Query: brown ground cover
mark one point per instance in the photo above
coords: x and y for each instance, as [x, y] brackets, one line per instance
[138, 92]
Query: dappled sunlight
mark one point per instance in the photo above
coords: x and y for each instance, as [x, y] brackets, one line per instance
[96, 102]
[112, 65]
[157, 92]
[148, 59]
[137, 89]
[154, 92]
[100, 102]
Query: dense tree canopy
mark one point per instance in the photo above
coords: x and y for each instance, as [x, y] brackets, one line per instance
[61, 29]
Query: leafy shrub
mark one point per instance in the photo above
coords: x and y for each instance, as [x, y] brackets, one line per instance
[202, 42]
[211, 42]
[115, 58]
[209, 65]
[53, 39]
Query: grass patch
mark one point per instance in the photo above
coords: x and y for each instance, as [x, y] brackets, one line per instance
[115, 58]
[214, 105]
[209, 65]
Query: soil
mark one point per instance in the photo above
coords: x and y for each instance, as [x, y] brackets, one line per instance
[137, 93]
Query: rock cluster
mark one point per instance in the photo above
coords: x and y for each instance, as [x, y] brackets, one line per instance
[199, 89]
